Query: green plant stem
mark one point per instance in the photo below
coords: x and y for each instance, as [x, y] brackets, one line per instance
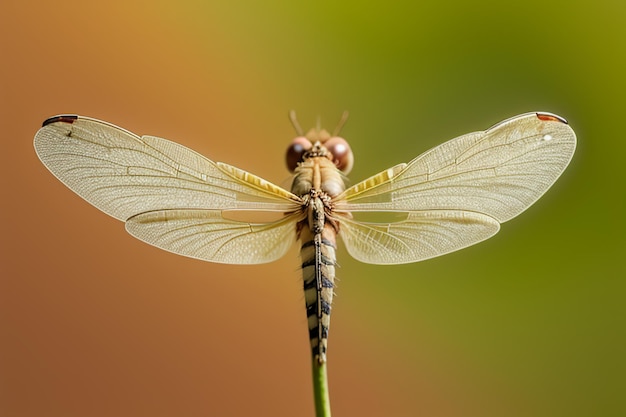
[320, 389]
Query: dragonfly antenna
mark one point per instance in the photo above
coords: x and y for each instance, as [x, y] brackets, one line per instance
[342, 122]
[294, 123]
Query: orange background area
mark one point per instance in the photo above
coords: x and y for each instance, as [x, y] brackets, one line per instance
[96, 323]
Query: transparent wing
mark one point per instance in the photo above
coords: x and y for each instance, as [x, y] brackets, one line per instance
[499, 172]
[206, 235]
[421, 235]
[123, 174]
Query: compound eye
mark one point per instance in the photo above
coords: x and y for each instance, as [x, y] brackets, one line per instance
[342, 154]
[296, 151]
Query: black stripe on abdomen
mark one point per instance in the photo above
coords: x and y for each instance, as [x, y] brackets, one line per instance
[318, 273]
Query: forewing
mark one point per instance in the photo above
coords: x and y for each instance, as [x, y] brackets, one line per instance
[499, 172]
[422, 235]
[123, 174]
[206, 235]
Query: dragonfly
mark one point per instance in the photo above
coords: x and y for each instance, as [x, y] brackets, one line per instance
[450, 197]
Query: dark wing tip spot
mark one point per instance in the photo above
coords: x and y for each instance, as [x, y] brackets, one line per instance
[64, 118]
[549, 117]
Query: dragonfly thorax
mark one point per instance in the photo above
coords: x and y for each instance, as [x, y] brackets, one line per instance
[318, 174]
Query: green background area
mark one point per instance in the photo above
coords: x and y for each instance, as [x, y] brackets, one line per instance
[528, 323]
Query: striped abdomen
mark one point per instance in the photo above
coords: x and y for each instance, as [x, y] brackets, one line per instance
[318, 273]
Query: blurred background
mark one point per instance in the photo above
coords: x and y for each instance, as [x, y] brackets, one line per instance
[528, 323]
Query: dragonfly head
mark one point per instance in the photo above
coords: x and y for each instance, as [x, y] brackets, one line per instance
[319, 143]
